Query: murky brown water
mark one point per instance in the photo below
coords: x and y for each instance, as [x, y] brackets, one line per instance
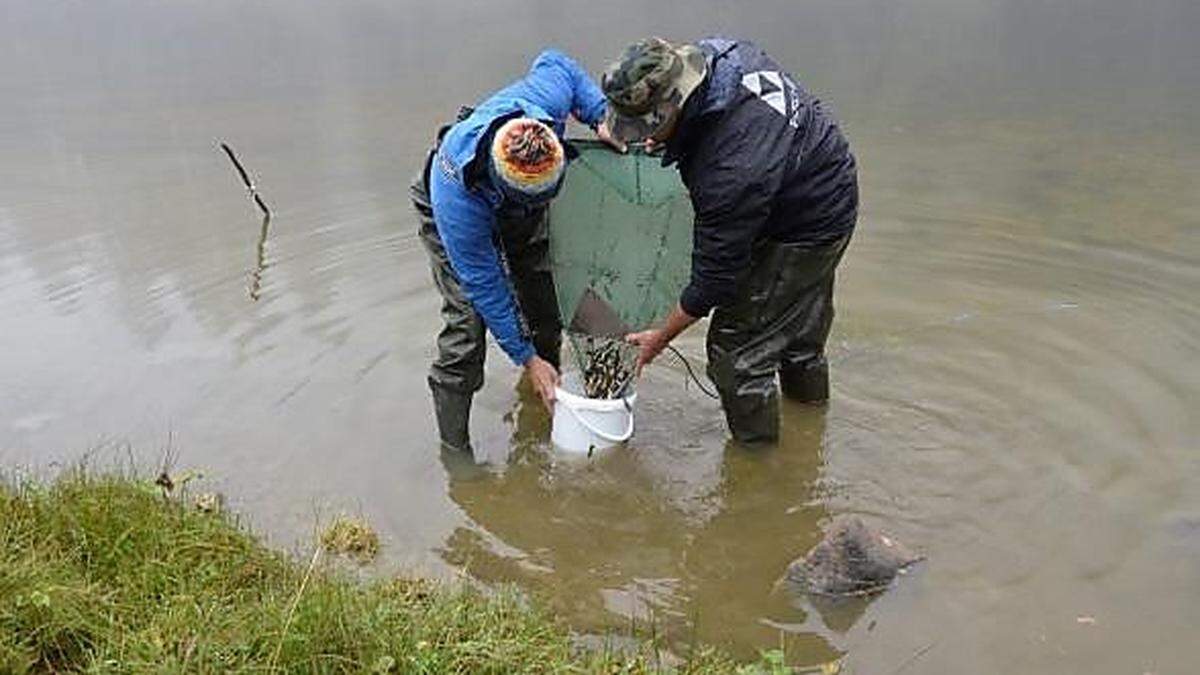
[1016, 363]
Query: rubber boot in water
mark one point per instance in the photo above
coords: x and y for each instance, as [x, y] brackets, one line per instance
[753, 418]
[453, 411]
[806, 382]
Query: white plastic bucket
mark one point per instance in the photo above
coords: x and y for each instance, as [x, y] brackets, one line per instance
[584, 424]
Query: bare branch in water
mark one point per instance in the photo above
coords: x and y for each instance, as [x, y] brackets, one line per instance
[246, 179]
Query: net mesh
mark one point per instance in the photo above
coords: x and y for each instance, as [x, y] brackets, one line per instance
[622, 227]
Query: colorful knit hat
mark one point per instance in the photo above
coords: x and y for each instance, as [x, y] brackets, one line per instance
[527, 160]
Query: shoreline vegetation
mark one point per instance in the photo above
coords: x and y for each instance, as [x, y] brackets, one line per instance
[112, 574]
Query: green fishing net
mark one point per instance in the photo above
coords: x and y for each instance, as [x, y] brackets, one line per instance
[622, 227]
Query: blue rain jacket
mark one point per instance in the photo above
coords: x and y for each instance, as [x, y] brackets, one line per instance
[465, 213]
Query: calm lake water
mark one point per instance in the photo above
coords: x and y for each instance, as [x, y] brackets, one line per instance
[1016, 359]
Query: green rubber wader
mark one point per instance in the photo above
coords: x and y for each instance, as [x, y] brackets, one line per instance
[778, 324]
[457, 370]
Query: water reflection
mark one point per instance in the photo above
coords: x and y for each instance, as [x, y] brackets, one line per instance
[260, 259]
[679, 528]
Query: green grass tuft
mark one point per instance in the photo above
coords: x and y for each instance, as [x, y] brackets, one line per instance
[105, 575]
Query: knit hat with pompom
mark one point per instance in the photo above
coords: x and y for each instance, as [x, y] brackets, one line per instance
[527, 160]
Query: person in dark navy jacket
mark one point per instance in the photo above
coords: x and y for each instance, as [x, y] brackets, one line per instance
[775, 192]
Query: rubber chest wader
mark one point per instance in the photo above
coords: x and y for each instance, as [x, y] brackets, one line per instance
[778, 324]
[457, 370]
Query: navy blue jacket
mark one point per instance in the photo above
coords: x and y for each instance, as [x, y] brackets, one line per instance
[762, 159]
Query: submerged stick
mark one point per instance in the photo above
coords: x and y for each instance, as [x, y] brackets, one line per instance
[246, 179]
[260, 259]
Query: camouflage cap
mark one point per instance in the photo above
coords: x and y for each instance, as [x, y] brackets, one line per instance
[648, 85]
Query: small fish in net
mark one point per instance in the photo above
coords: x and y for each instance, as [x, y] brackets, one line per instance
[607, 365]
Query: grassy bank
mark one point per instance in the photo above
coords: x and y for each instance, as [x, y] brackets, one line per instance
[104, 575]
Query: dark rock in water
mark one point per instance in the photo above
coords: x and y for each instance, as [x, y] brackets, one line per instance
[852, 559]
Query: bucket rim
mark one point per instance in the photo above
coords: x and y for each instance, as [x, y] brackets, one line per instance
[597, 404]
[580, 402]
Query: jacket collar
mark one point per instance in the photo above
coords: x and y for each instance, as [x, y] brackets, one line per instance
[714, 95]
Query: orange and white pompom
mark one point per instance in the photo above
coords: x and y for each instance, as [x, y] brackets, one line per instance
[527, 157]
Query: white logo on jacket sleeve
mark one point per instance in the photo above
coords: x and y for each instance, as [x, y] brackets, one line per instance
[775, 89]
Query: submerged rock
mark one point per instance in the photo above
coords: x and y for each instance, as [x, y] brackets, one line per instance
[852, 559]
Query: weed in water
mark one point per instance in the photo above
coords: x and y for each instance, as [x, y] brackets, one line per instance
[351, 536]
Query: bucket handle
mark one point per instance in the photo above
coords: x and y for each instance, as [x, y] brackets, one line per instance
[606, 436]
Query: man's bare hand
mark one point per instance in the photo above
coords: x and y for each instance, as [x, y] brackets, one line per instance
[544, 379]
[604, 134]
[650, 344]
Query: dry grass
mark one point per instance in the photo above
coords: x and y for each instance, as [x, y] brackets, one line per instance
[352, 537]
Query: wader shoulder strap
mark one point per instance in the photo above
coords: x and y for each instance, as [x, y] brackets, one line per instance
[463, 113]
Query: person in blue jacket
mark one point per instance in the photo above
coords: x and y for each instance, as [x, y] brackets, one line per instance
[481, 201]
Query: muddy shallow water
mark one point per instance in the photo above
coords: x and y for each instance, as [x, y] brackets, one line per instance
[1016, 359]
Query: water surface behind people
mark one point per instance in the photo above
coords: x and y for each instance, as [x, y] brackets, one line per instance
[1016, 357]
